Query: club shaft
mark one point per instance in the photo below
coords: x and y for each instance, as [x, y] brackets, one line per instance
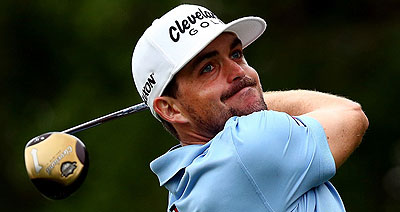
[132, 109]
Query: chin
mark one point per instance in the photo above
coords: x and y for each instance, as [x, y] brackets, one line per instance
[247, 108]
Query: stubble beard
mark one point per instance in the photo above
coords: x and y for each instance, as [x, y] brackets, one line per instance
[211, 121]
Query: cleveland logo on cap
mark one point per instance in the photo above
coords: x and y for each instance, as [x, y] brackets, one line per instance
[179, 28]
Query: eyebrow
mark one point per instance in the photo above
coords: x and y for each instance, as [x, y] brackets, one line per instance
[211, 54]
[203, 57]
[235, 43]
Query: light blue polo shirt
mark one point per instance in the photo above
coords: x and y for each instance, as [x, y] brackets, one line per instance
[266, 161]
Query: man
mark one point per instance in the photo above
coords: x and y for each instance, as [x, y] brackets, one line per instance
[235, 154]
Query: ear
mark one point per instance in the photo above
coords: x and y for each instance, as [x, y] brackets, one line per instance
[168, 109]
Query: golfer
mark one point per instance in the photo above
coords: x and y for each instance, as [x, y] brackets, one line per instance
[241, 149]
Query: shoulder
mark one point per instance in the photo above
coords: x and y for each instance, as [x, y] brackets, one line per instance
[276, 138]
[274, 124]
[259, 125]
[260, 116]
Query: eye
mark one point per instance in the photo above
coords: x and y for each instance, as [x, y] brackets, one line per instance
[237, 54]
[207, 68]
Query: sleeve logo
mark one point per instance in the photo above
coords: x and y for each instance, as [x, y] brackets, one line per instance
[298, 122]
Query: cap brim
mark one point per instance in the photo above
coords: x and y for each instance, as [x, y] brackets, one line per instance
[248, 29]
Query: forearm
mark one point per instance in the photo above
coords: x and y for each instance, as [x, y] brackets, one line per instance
[299, 102]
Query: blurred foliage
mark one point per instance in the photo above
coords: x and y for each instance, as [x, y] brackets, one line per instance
[66, 62]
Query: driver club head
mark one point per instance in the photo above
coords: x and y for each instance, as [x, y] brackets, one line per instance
[57, 164]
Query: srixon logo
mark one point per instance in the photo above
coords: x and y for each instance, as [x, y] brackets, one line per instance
[148, 87]
[186, 25]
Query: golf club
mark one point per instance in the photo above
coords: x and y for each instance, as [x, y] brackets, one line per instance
[57, 162]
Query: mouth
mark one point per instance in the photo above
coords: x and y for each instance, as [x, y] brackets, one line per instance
[241, 86]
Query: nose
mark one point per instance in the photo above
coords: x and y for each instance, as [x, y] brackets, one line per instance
[234, 71]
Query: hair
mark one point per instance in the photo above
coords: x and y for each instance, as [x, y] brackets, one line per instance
[171, 91]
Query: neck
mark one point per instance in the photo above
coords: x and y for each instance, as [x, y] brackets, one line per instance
[191, 137]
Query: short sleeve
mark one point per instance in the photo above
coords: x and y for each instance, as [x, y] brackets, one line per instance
[283, 156]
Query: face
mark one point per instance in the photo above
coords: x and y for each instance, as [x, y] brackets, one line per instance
[218, 84]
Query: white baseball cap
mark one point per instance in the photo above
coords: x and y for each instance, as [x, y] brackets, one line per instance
[176, 38]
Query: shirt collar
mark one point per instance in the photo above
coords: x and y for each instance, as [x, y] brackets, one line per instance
[169, 164]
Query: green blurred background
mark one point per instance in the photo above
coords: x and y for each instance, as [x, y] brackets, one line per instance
[66, 62]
